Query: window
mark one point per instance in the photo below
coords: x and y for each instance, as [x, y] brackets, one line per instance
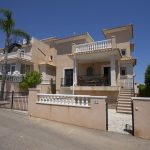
[25, 68]
[12, 69]
[123, 52]
[51, 57]
[89, 71]
[123, 71]
[22, 68]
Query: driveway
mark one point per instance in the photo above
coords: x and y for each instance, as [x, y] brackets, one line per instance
[20, 132]
[118, 121]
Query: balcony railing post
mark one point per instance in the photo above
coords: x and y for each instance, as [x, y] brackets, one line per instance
[133, 86]
[94, 46]
[73, 48]
[12, 99]
[113, 42]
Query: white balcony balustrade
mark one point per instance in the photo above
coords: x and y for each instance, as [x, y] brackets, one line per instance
[12, 78]
[18, 54]
[89, 47]
[126, 82]
[66, 100]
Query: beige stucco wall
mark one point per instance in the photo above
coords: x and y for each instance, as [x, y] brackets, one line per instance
[11, 86]
[141, 112]
[66, 47]
[93, 117]
[41, 52]
[63, 62]
[125, 45]
[112, 95]
[97, 67]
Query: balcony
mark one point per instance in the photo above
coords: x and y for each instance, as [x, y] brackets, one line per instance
[93, 80]
[12, 78]
[96, 80]
[17, 55]
[93, 46]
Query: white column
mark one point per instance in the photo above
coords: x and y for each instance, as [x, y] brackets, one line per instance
[75, 71]
[43, 72]
[118, 72]
[18, 67]
[113, 71]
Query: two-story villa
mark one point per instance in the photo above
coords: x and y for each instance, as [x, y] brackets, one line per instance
[80, 64]
[89, 67]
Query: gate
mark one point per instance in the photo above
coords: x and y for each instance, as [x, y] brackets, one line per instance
[120, 122]
[14, 100]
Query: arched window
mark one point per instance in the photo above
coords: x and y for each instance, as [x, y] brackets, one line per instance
[89, 71]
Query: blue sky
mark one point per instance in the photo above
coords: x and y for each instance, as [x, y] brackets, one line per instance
[60, 18]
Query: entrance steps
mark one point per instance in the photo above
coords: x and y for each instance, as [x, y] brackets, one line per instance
[124, 101]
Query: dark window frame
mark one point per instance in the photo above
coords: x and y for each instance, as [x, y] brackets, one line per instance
[123, 71]
[123, 52]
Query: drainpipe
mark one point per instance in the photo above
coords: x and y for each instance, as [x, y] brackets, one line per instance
[133, 85]
[74, 73]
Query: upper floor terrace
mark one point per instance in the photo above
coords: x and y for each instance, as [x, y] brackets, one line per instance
[15, 55]
[93, 46]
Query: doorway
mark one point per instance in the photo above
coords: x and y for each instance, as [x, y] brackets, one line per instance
[68, 77]
[107, 75]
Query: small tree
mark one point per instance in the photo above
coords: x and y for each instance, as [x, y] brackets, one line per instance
[31, 80]
[144, 90]
[147, 77]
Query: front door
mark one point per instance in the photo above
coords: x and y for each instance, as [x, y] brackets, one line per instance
[12, 68]
[68, 79]
[107, 75]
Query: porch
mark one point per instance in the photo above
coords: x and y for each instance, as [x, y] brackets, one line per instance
[20, 54]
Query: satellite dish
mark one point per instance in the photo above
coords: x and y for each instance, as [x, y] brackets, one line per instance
[24, 41]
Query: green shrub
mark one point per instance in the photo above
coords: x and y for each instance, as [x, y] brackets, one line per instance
[144, 90]
[141, 90]
[31, 80]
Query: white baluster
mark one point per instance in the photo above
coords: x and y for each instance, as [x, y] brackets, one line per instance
[62, 101]
[58, 100]
[53, 100]
[86, 102]
[74, 101]
[82, 101]
[78, 101]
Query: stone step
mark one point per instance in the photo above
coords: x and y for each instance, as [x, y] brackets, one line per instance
[124, 98]
[126, 95]
[124, 102]
[124, 108]
[124, 111]
[126, 90]
[124, 105]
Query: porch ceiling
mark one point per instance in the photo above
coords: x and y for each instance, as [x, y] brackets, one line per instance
[95, 88]
[10, 61]
[98, 57]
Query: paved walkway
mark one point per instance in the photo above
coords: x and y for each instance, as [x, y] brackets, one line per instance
[117, 121]
[20, 132]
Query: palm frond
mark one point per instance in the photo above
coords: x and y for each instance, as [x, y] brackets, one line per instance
[6, 22]
[6, 12]
[22, 34]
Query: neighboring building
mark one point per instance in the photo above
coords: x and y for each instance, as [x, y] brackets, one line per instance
[37, 56]
[82, 65]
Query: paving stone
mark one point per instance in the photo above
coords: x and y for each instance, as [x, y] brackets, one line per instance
[117, 121]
